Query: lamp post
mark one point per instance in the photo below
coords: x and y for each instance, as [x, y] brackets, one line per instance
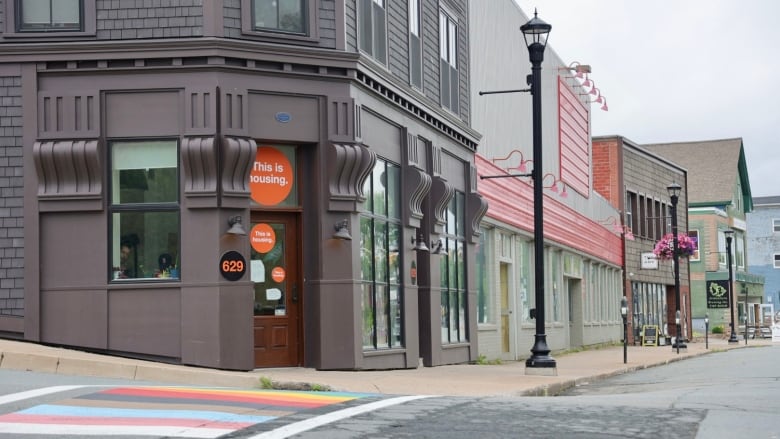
[744, 288]
[624, 314]
[729, 236]
[535, 33]
[674, 194]
[706, 330]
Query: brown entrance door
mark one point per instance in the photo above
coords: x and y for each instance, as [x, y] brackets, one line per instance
[275, 272]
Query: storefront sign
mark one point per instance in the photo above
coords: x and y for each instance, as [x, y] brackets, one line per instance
[271, 178]
[232, 265]
[262, 237]
[717, 294]
[649, 261]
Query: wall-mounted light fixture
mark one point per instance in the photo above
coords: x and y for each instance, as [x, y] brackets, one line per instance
[342, 230]
[557, 186]
[419, 243]
[235, 227]
[437, 247]
[618, 228]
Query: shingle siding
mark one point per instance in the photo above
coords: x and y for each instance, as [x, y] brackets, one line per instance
[11, 198]
[132, 19]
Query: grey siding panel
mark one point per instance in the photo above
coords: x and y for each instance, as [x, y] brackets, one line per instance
[132, 19]
[232, 14]
[11, 198]
[398, 39]
[351, 25]
[327, 24]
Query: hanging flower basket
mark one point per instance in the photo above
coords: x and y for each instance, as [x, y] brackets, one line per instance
[664, 249]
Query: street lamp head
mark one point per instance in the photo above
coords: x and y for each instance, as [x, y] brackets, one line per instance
[535, 32]
[674, 192]
[729, 234]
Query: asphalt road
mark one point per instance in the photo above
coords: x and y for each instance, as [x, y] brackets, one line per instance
[722, 395]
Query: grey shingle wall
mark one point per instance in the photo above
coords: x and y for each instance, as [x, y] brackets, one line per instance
[232, 21]
[130, 19]
[11, 198]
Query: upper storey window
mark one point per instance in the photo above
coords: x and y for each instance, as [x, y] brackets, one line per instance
[372, 29]
[279, 15]
[49, 15]
[49, 18]
[448, 54]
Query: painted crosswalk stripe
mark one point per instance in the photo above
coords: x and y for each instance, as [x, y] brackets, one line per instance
[318, 421]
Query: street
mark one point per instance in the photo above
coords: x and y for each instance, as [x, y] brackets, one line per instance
[720, 395]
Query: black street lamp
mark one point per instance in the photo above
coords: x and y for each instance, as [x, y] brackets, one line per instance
[729, 236]
[674, 194]
[706, 330]
[624, 314]
[535, 33]
[745, 290]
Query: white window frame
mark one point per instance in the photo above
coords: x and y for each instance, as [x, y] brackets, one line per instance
[448, 60]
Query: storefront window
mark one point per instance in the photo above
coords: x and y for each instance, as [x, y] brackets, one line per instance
[484, 314]
[453, 274]
[144, 210]
[380, 241]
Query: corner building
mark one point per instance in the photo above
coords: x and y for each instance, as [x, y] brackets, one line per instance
[240, 183]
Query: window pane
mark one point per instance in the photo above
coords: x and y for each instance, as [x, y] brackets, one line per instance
[65, 12]
[380, 251]
[366, 249]
[454, 316]
[394, 244]
[365, 28]
[380, 35]
[462, 333]
[145, 244]
[380, 187]
[291, 15]
[443, 36]
[393, 191]
[395, 316]
[414, 17]
[266, 14]
[445, 317]
[144, 172]
[36, 12]
[382, 312]
[367, 304]
[452, 35]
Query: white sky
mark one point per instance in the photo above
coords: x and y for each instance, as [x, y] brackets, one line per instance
[679, 70]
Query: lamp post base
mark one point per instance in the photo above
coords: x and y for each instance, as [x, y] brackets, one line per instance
[540, 362]
[733, 338]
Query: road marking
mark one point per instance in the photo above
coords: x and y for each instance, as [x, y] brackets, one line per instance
[318, 421]
[14, 397]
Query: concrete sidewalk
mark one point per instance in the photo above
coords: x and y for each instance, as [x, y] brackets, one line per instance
[508, 379]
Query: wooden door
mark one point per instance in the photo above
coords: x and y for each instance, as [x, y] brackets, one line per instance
[275, 269]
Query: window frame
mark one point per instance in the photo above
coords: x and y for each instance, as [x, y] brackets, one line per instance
[694, 234]
[776, 261]
[448, 57]
[311, 34]
[362, 26]
[775, 225]
[415, 43]
[116, 207]
[13, 23]
[388, 216]
[453, 271]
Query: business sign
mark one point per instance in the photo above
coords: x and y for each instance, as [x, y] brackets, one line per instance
[649, 261]
[232, 265]
[718, 294]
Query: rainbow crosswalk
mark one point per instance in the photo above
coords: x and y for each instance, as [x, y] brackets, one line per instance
[191, 412]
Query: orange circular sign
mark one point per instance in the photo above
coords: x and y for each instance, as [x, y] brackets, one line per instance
[278, 274]
[262, 237]
[271, 178]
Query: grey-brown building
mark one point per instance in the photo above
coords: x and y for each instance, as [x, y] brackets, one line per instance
[635, 181]
[239, 183]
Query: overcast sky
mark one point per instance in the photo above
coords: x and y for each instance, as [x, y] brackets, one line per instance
[679, 70]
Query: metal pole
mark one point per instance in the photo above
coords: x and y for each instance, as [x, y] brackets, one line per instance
[706, 331]
[540, 352]
[733, 336]
[676, 259]
[625, 340]
[744, 287]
